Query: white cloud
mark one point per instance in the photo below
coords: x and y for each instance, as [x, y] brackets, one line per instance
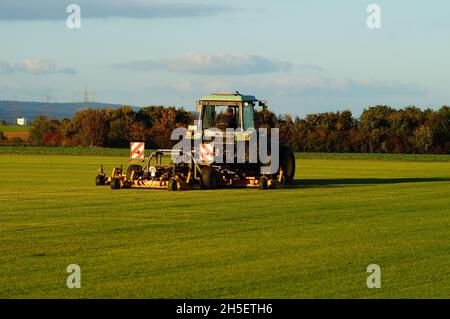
[37, 66]
[34, 66]
[207, 64]
[294, 85]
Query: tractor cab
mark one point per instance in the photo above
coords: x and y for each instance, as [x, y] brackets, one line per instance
[225, 123]
[226, 111]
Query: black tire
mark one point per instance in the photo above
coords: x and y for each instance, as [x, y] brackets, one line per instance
[100, 180]
[115, 183]
[287, 163]
[208, 179]
[137, 169]
[172, 185]
[263, 183]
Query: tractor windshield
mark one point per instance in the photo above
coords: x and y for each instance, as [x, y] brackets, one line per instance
[221, 117]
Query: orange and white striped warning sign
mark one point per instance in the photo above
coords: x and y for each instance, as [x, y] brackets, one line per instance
[137, 150]
[206, 152]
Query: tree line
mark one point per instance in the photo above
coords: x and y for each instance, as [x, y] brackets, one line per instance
[379, 129]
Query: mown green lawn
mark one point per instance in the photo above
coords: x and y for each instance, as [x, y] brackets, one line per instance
[124, 152]
[313, 240]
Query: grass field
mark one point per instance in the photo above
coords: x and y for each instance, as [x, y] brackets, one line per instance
[14, 128]
[124, 152]
[313, 240]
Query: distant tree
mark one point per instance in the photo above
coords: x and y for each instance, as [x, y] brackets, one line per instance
[423, 139]
[376, 117]
[69, 129]
[124, 113]
[285, 126]
[440, 126]
[138, 131]
[375, 123]
[41, 127]
[265, 118]
[149, 115]
[356, 141]
[119, 132]
[92, 127]
[161, 131]
[379, 129]
[183, 118]
[53, 138]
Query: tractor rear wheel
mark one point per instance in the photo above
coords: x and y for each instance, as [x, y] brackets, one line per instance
[208, 179]
[287, 163]
[137, 169]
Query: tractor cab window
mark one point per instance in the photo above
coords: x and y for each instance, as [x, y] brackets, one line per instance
[208, 116]
[221, 117]
[248, 117]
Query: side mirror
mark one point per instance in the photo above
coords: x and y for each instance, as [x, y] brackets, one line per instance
[263, 104]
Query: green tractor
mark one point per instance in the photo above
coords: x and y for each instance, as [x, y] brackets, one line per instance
[218, 152]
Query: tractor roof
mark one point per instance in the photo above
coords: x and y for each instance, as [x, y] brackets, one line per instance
[216, 97]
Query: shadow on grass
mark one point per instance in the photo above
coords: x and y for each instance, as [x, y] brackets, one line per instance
[343, 182]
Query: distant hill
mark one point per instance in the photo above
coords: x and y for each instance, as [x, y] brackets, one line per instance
[29, 110]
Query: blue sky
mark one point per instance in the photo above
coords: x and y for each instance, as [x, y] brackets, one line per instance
[302, 56]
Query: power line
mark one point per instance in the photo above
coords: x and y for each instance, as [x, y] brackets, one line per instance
[88, 97]
[48, 105]
[14, 111]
